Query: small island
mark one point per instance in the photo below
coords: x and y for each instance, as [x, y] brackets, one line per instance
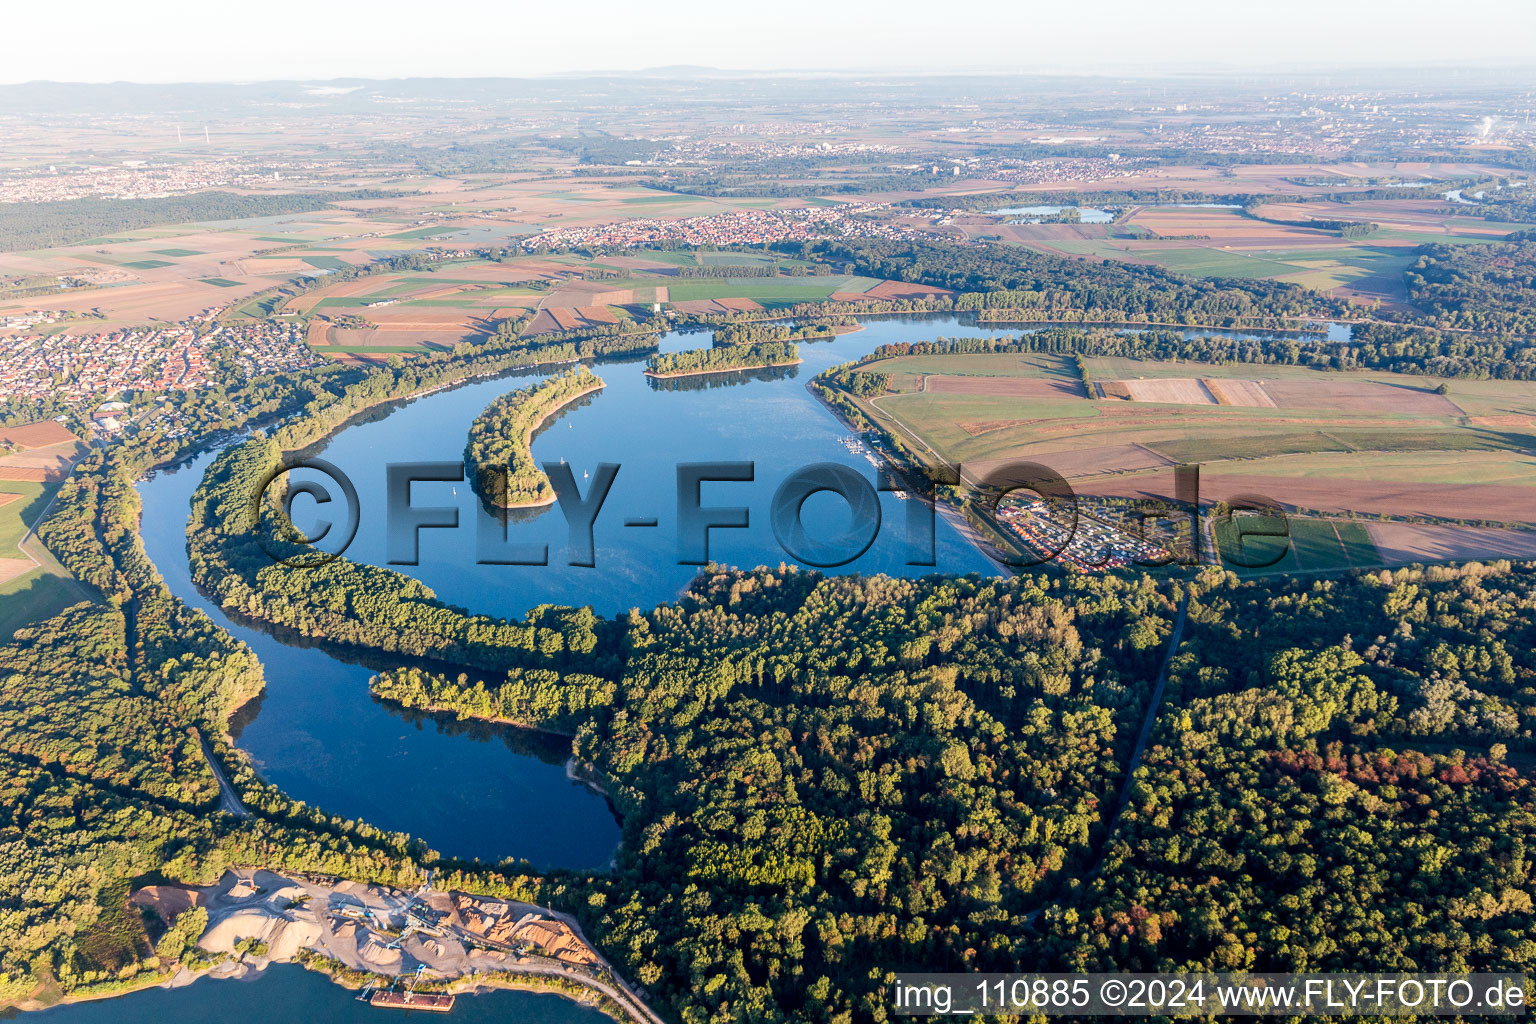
[757, 332]
[722, 359]
[499, 455]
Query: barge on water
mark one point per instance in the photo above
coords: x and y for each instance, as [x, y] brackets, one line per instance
[434, 1002]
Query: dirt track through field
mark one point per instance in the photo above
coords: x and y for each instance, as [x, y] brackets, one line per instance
[1359, 396]
[1412, 542]
[1081, 462]
[1002, 387]
[1495, 503]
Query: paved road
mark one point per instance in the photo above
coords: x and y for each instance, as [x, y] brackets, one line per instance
[228, 801]
[1153, 703]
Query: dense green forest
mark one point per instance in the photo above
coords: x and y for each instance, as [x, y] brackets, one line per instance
[1477, 287]
[44, 225]
[346, 602]
[1037, 286]
[724, 357]
[1399, 349]
[823, 780]
[759, 333]
[498, 457]
[1329, 786]
[820, 776]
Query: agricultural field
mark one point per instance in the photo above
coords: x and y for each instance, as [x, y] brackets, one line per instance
[1259, 545]
[1415, 220]
[1219, 242]
[465, 299]
[1369, 444]
[40, 452]
[416, 311]
[172, 272]
[769, 291]
[33, 585]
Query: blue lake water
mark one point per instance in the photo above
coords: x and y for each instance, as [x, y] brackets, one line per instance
[491, 792]
[488, 792]
[1086, 214]
[283, 994]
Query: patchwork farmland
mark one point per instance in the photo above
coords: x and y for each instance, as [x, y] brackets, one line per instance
[1372, 445]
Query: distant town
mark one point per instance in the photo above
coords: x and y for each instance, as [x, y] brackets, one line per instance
[195, 353]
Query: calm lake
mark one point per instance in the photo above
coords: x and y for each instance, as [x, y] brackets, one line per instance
[1030, 214]
[286, 993]
[491, 792]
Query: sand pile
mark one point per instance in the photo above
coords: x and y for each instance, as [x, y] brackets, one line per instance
[168, 901]
[284, 938]
[374, 953]
[552, 938]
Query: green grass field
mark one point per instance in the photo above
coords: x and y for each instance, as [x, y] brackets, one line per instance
[375, 350]
[1203, 262]
[668, 199]
[768, 290]
[672, 259]
[984, 364]
[259, 308]
[18, 515]
[1350, 264]
[326, 262]
[1257, 545]
[427, 232]
[1260, 446]
[33, 597]
[177, 253]
[1470, 237]
[1355, 263]
[221, 282]
[347, 302]
[738, 259]
[1488, 468]
[43, 591]
[148, 264]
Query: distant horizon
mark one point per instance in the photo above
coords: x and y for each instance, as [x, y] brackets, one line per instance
[176, 41]
[1513, 65]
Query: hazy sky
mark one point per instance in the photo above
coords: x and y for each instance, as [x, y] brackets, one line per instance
[208, 40]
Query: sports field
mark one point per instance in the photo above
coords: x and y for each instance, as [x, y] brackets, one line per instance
[1257, 545]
